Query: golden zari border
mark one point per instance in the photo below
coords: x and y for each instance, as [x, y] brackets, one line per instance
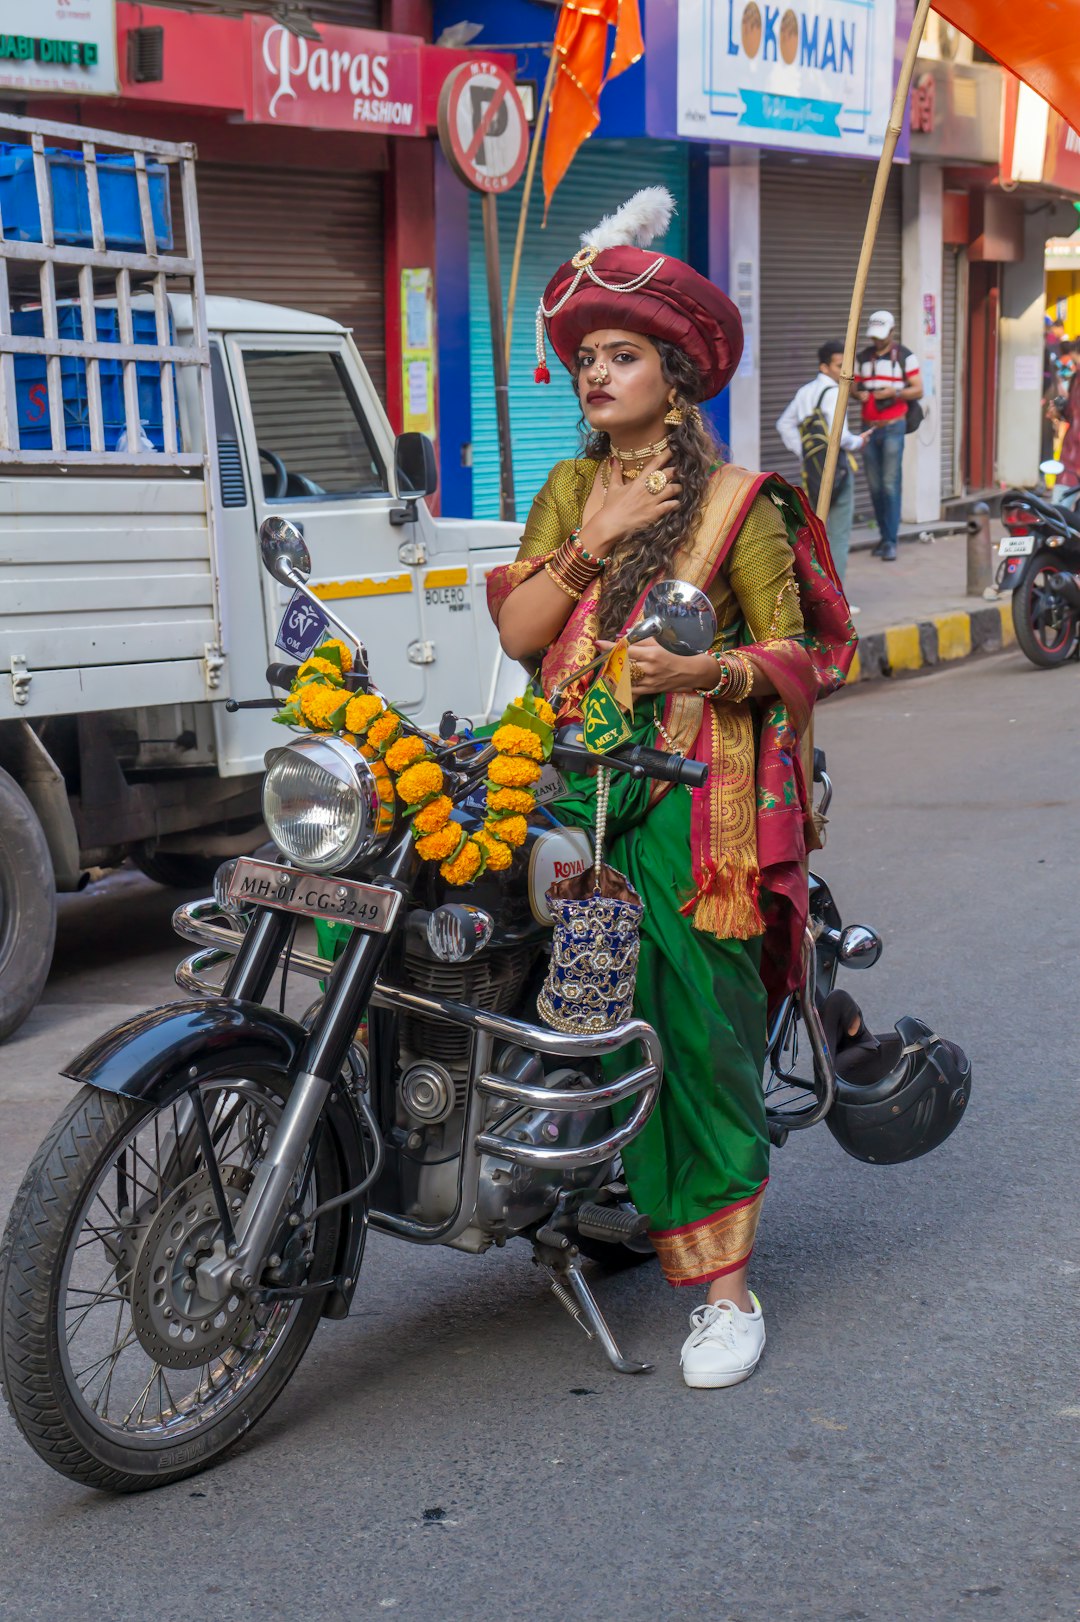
[714, 1245]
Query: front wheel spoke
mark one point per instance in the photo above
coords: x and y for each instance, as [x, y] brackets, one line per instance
[106, 1389]
[92, 1368]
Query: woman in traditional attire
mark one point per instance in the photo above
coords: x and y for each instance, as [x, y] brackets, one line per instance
[721, 870]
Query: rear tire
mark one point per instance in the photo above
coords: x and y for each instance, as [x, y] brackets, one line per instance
[38, 1259]
[1046, 627]
[27, 907]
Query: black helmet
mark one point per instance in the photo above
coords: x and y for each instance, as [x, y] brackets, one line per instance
[897, 1097]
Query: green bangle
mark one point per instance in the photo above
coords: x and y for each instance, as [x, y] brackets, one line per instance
[574, 539]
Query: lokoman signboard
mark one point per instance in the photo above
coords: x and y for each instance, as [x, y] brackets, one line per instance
[814, 76]
[58, 47]
[348, 79]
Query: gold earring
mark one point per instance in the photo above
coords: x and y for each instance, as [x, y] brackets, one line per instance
[675, 415]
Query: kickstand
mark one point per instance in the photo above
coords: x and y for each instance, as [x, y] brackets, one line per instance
[572, 1291]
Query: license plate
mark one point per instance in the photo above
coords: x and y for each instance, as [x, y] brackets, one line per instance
[1016, 546]
[265, 884]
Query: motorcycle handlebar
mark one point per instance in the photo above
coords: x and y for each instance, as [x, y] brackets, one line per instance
[281, 675]
[634, 759]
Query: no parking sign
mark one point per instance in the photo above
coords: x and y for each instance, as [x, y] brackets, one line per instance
[482, 126]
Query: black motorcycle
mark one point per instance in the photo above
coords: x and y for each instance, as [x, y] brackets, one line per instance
[1040, 565]
[205, 1198]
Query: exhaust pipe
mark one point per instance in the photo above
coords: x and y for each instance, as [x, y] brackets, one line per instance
[1066, 586]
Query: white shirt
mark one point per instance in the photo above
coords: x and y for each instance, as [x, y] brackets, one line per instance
[803, 404]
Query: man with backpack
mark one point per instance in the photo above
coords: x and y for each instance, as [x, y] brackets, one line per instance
[805, 428]
[888, 383]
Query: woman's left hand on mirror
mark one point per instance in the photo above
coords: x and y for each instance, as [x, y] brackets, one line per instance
[655, 670]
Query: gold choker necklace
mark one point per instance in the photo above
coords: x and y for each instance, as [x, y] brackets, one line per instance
[644, 453]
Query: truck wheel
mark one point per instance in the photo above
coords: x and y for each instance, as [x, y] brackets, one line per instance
[176, 871]
[27, 907]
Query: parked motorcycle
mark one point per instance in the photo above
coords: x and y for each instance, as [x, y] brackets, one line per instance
[205, 1197]
[1040, 565]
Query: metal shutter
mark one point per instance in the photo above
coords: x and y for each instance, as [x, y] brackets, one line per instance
[947, 381]
[544, 419]
[311, 240]
[812, 221]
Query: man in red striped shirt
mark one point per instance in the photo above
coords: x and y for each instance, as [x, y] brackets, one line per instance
[887, 379]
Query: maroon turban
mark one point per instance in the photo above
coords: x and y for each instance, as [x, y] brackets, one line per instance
[673, 303]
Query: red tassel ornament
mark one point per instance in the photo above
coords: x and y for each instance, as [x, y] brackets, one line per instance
[541, 375]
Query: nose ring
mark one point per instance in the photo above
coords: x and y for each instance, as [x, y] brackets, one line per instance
[601, 375]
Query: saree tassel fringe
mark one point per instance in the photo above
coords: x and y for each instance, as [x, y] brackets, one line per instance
[726, 903]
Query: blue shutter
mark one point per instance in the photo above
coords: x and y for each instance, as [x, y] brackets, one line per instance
[544, 420]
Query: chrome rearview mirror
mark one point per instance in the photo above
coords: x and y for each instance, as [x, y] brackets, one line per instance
[284, 554]
[679, 616]
[860, 946]
[283, 551]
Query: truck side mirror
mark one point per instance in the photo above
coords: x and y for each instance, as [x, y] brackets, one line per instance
[415, 466]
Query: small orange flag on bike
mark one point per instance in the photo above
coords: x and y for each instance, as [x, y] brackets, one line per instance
[1036, 42]
[581, 42]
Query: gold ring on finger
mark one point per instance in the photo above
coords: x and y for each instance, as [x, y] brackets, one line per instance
[656, 482]
[636, 671]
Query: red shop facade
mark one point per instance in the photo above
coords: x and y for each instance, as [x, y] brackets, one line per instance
[316, 152]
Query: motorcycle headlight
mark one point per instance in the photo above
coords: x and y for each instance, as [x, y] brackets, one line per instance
[325, 805]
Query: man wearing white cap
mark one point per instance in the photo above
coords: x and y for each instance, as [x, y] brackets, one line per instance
[888, 381]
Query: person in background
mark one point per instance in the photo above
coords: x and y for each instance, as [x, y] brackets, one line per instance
[888, 381]
[805, 428]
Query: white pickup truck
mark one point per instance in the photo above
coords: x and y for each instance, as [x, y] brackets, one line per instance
[132, 598]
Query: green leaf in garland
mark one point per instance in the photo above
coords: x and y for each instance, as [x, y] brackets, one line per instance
[326, 650]
[516, 715]
[336, 719]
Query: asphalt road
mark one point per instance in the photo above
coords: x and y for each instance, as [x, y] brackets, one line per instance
[456, 1451]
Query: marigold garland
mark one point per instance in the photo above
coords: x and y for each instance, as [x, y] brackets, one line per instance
[522, 742]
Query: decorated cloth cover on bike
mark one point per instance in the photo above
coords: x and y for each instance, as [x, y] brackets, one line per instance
[722, 870]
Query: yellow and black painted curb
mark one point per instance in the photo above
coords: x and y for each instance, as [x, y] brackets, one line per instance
[904, 650]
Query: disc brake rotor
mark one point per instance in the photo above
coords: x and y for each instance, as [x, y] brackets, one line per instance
[175, 1325]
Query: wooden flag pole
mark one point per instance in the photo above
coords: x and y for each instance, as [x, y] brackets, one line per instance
[877, 201]
[523, 216]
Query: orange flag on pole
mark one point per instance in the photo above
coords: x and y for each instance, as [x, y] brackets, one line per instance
[581, 40]
[1036, 42]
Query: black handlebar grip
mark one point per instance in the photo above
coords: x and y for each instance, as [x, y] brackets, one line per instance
[281, 675]
[668, 768]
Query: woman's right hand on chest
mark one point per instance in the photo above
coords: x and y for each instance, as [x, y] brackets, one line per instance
[626, 505]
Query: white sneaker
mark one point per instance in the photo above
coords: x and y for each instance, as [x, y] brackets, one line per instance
[724, 1345]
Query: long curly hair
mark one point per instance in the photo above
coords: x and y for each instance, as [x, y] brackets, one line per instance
[649, 553]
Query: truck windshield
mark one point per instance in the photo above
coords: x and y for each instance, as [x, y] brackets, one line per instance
[309, 428]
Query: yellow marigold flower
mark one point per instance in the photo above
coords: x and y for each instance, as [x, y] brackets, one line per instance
[499, 856]
[511, 830]
[433, 816]
[317, 704]
[465, 866]
[362, 711]
[340, 649]
[511, 799]
[404, 752]
[511, 740]
[383, 730]
[438, 846]
[543, 709]
[319, 667]
[419, 781]
[509, 771]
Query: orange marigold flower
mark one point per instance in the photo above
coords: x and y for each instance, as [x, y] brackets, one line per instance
[438, 846]
[405, 752]
[511, 799]
[384, 730]
[419, 781]
[343, 653]
[317, 704]
[511, 740]
[433, 816]
[465, 866]
[509, 771]
[499, 856]
[362, 710]
[319, 667]
[511, 830]
[543, 709]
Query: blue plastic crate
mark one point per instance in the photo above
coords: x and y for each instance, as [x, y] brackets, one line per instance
[71, 200]
[31, 381]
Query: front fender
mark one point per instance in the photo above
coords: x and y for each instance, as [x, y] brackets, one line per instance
[157, 1055]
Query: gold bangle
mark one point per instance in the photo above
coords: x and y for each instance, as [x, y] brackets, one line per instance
[573, 592]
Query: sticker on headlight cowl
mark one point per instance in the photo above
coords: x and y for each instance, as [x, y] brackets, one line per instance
[288, 889]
